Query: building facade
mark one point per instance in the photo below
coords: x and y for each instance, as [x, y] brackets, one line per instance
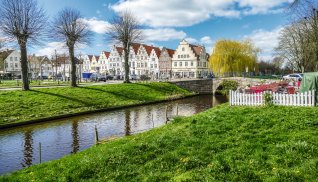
[165, 62]
[40, 66]
[12, 63]
[190, 61]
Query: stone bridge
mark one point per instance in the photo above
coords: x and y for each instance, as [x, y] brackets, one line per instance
[209, 86]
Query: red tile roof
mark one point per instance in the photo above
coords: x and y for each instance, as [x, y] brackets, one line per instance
[120, 50]
[196, 49]
[170, 52]
[106, 54]
[135, 47]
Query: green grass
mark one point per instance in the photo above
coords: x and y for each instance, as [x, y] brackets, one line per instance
[19, 106]
[223, 144]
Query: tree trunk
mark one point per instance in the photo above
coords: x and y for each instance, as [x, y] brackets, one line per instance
[73, 66]
[24, 67]
[126, 64]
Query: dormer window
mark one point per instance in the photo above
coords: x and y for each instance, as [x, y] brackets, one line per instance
[182, 48]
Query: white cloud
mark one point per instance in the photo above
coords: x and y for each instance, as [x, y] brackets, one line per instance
[186, 13]
[50, 48]
[206, 40]
[265, 40]
[95, 25]
[191, 40]
[164, 34]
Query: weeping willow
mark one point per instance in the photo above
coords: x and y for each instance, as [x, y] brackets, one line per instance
[232, 57]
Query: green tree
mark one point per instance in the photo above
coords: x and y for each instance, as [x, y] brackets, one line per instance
[232, 57]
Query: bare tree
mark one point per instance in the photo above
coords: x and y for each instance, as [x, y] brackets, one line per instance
[125, 30]
[22, 20]
[69, 27]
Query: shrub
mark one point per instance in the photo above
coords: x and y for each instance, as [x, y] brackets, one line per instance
[226, 86]
[268, 99]
[144, 77]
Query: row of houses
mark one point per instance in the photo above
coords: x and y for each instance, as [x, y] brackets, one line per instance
[187, 60]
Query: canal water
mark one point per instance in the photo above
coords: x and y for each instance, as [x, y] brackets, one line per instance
[19, 147]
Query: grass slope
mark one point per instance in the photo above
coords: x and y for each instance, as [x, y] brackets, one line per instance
[222, 144]
[18, 106]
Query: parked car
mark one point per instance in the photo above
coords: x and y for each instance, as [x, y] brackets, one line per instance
[294, 76]
[133, 77]
[109, 77]
[102, 79]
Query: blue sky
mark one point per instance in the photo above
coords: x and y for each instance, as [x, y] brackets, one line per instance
[166, 22]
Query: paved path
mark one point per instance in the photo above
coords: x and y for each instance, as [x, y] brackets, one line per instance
[64, 85]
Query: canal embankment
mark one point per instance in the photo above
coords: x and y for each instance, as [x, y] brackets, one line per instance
[222, 144]
[38, 105]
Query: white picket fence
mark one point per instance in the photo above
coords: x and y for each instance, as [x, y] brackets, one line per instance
[257, 99]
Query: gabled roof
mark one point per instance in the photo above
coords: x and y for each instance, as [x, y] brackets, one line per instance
[106, 54]
[135, 47]
[196, 49]
[97, 58]
[157, 51]
[148, 49]
[6, 53]
[90, 57]
[169, 51]
[120, 50]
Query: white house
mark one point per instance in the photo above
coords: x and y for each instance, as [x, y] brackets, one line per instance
[154, 62]
[116, 61]
[40, 66]
[87, 63]
[190, 61]
[95, 66]
[104, 62]
[13, 63]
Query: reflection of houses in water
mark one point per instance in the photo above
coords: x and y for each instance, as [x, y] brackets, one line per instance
[28, 149]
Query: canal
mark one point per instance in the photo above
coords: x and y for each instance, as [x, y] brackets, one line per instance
[19, 147]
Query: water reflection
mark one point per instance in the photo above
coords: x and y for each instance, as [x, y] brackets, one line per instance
[75, 136]
[28, 149]
[127, 123]
[62, 137]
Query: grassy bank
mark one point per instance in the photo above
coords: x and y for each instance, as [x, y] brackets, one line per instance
[19, 106]
[222, 144]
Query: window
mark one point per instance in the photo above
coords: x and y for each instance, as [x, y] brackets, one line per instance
[180, 63]
[145, 64]
[182, 48]
[11, 58]
[179, 56]
[175, 64]
[191, 63]
[142, 58]
[138, 65]
[142, 65]
[186, 63]
[16, 65]
[153, 59]
[188, 56]
[155, 65]
[15, 58]
[151, 65]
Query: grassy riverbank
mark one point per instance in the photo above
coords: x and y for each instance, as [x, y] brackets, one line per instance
[20, 106]
[223, 144]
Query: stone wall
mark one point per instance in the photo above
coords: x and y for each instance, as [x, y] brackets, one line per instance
[198, 86]
[209, 86]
